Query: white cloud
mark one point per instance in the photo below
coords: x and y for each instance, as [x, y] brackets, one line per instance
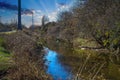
[38, 11]
[39, 17]
[29, 15]
[52, 16]
[33, 11]
[38, 14]
[62, 7]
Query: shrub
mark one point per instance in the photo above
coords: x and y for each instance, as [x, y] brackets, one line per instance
[27, 57]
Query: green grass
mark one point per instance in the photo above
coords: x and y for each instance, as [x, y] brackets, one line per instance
[114, 71]
[9, 32]
[4, 59]
[4, 56]
[85, 42]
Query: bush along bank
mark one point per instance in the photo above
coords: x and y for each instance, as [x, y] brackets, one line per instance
[27, 57]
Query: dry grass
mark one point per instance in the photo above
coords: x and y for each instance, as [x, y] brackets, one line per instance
[27, 57]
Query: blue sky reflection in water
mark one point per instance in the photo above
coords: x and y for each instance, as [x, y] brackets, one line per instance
[55, 68]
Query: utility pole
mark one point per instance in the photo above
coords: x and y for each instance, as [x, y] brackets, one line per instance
[32, 21]
[0, 19]
[19, 15]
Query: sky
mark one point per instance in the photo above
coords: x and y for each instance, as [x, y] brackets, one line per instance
[39, 8]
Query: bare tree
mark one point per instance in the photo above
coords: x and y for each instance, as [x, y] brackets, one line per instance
[45, 19]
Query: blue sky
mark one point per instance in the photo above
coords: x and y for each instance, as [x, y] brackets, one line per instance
[49, 8]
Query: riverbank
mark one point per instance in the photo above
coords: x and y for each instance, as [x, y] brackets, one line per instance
[5, 61]
[26, 56]
[87, 63]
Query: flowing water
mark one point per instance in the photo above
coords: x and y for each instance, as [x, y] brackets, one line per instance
[54, 67]
[75, 60]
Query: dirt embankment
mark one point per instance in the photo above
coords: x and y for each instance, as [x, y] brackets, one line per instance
[27, 57]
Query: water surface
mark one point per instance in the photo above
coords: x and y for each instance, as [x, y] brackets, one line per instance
[54, 67]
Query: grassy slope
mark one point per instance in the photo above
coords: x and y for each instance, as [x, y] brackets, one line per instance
[8, 32]
[85, 42]
[4, 56]
[113, 69]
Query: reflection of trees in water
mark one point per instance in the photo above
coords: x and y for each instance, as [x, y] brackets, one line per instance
[97, 66]
[60, 46]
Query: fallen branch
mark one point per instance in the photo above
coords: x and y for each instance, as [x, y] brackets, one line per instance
[87, 47]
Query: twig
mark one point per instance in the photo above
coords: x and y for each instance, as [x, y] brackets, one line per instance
[98, 71]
